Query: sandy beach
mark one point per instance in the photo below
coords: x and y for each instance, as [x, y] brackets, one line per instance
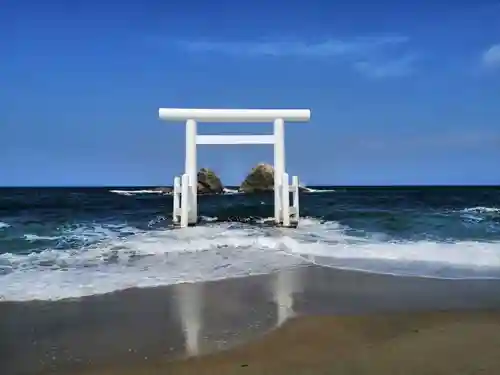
[306, 320]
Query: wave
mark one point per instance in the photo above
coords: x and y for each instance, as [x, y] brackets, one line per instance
[105, 258]
[482, 210]
[34, 237]
[4, 225]
[138, 192]
[480, 214]
[135, 192]
[232, 191]
[311, 190]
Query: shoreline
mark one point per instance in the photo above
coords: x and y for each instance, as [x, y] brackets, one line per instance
[161, 326]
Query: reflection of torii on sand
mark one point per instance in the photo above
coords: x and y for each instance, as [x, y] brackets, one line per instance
[190, 302]
[285, 284]
[189, 305]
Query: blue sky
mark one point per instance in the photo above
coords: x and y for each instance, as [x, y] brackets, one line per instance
[400, 93]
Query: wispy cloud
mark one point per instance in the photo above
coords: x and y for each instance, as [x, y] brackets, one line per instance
[326, 48]
[375, 56]
[491, 57]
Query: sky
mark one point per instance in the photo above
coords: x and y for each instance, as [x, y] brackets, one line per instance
[400, 93]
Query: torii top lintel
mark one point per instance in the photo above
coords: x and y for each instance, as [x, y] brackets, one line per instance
[234, 115]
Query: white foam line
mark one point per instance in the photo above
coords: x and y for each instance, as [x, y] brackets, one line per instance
[481, 209]
[34, 237]
[406, 275]
[135, 192]
[226, 191]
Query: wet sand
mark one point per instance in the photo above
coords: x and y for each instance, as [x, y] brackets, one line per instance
[307, 320]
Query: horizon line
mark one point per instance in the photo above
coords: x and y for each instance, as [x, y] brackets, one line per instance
[235, 186]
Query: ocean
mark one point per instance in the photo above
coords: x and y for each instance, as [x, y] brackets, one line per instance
[60, 243]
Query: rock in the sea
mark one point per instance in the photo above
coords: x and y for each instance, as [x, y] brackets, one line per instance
[209, 182]
[261, 178]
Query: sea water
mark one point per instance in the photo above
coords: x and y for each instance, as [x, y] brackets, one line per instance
[58, 243]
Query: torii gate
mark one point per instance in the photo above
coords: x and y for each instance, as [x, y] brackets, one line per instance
[185, 187]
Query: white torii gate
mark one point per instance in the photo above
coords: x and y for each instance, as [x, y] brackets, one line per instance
[185, 188]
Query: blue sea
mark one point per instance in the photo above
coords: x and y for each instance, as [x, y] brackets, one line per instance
[60, 243]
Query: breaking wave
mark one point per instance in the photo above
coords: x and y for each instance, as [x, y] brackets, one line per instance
[90, 258]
